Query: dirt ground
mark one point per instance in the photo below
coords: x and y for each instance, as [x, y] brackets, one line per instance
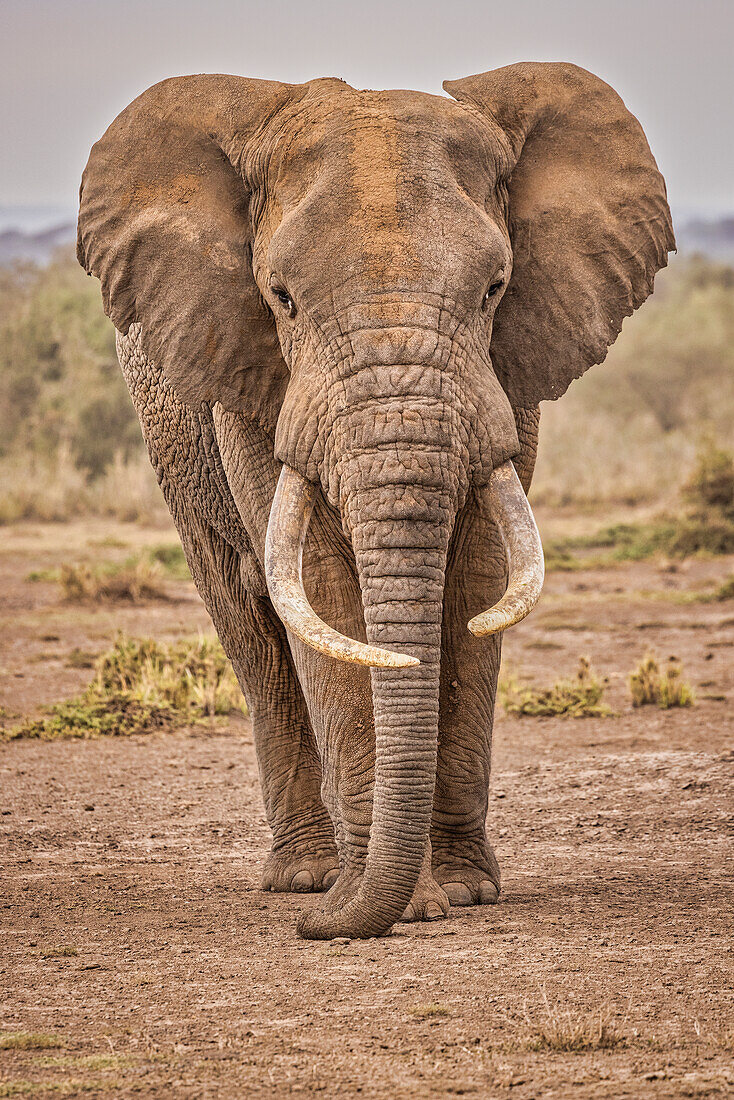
[132, 928]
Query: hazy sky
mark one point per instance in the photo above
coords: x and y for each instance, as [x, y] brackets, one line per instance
[67, 67]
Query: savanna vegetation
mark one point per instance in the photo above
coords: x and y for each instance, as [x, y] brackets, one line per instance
[70, 443]
[625, 434]
[629, 432]
[139, 686]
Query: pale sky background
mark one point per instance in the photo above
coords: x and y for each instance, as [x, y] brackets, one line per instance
[67, 67]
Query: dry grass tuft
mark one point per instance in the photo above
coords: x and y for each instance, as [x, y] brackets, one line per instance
[61, 951]
[29, 1040]
[84, 1061]
[141, 686]
[651, 686]
[140, 580]
[572, 1031]
[577, 698]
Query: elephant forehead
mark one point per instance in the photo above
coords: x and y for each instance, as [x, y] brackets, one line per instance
[385, 145]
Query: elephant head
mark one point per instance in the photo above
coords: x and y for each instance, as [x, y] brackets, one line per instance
[382, 280]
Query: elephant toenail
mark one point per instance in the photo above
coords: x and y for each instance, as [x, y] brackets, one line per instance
[409, 914]
[302, 882]
[458, 893]
[330, 878]
[488, 893]
[433, 911]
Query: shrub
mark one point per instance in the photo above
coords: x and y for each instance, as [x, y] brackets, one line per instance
[711, 484]
[649, 686]
[137, 581]
[141, 686]
[704, 526]
[577, 698]
[60, 382]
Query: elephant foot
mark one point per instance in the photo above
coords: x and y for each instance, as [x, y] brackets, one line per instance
[469, 874]
[299, 871]
[429, 902]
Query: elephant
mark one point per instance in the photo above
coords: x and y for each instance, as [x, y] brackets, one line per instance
[338, 312]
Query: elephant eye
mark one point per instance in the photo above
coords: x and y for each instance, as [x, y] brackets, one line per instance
[285, 300]
[492, 290]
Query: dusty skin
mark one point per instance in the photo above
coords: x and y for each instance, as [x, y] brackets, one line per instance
[143, 855]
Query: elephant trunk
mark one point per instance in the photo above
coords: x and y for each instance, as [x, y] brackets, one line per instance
[400, 534]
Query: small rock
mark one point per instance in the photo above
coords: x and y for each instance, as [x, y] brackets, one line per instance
[340, 941]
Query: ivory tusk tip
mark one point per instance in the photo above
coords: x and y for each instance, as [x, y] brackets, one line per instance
[402, 660]
[482, 625]
[474, 627]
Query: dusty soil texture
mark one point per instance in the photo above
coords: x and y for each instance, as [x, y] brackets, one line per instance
[132, 928]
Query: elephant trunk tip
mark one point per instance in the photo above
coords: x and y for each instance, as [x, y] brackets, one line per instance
[355, 920]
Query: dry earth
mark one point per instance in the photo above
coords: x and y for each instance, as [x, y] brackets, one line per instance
[140, 857]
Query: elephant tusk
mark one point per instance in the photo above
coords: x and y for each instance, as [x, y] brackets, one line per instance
[289, 517]
[511, 512]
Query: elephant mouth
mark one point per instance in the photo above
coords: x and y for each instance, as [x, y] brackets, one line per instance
[287, 527]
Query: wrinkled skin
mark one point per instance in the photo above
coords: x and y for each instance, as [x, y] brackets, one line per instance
[309, 275]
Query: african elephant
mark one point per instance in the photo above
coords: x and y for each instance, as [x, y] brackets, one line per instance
[307, 282]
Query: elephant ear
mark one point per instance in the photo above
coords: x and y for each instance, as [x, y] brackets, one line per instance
[588, 219]
[164, 224]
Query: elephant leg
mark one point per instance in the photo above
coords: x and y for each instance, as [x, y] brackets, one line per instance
[464, 863]
[303, 856]
[185, 452]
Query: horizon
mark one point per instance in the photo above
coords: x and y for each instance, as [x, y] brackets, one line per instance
[670, 64]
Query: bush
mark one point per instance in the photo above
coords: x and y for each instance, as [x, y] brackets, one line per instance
[711, 484]
[53, 489]
[71, 442]
[141, 686]
[60, 382]
[649, 686]
[139, 580]
[577, 698]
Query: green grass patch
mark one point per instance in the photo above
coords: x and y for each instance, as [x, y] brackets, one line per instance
[665, 688]
[141, 686]
[580, 697]
[675, 538]
[170, 556]
[29, 1040]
